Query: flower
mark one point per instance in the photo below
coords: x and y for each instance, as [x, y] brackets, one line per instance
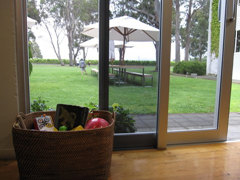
[115, 106]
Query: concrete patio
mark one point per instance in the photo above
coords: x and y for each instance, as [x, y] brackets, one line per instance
[186, 122]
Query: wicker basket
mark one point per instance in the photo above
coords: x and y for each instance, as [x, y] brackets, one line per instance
[60, 155]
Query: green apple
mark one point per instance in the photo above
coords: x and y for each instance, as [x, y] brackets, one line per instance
[63, 128]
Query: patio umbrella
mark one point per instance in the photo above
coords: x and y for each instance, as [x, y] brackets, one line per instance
[31, 22]
[111, 51]
[127, 29]
[93, 43]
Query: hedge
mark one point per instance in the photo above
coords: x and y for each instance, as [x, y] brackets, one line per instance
[92, 62]
[188, 67]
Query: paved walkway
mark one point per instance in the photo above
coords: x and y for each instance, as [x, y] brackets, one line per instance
[185, 122]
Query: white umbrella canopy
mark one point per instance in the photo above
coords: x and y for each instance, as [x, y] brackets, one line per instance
[31, 22]
[93, 43]
[125, 28]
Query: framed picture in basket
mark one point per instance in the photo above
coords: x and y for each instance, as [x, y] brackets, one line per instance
[70, 116]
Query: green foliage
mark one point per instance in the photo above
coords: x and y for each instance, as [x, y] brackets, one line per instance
[199, 33]
[30, 57]
[39, 105]
[185, 67]
[48, 61]
[33, 12]
[172, 63]
[92, 106]
[93, 62]
[140, 63]
[215, 29]
[124, 122]
[36, 52]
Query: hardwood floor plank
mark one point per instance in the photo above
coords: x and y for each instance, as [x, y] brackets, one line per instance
[210, 161]
[218, 161]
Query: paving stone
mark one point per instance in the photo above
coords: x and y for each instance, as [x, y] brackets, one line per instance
[177, 129]
[140, 125]
[186, 122]
[202, 123]
[182, 120]
[144, 130]
[234, 122]
[173, 124]
[175, 116]
[234, 114]
[237, 118]
[154, 118]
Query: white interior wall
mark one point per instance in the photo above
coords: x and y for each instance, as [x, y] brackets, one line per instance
[8, 78]
[236, 61]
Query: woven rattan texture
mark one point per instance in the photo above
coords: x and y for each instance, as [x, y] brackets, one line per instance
[64, 155]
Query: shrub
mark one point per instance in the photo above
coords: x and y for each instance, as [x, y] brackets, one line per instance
[93, 62]
[185, 67]
[124, 122]
[39, 105]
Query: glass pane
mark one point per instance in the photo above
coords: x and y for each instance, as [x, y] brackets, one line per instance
[194, 64]
[234, 116]
[133, 69]
[55, 43]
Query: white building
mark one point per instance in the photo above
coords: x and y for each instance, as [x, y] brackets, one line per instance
[236, 62]
[212, 61]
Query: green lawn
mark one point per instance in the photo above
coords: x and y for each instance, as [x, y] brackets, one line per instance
[66, 85]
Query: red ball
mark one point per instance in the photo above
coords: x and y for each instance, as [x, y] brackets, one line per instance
[96, 123]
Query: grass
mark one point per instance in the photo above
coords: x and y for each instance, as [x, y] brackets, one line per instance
[66, 85]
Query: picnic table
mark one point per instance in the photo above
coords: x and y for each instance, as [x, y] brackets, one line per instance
[123, 73]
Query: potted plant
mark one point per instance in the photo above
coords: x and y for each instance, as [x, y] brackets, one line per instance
[124, 122]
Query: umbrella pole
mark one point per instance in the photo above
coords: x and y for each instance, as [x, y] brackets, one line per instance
[123, 49]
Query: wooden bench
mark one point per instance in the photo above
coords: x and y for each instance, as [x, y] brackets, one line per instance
[142, 76]
[111, 76]
[94, 71]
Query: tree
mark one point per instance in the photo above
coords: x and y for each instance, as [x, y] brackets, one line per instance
[199, 33]
[191, 8]
[176, 29]
[35, 50]
[71, 16]
[33, 12]
[78, 14]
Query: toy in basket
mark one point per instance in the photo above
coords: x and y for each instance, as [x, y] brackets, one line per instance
[70, 116]
[44, 123]
[51, 155]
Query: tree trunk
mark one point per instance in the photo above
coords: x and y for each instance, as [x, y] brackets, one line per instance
[157, 12]
[70, 43]
[70, 28]
[177, 33]
[187, 38]
[56, 47]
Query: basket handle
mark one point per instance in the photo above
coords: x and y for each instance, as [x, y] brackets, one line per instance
[114, 115]
[19, 121]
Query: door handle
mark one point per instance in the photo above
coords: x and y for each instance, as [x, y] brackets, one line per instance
[231, 10]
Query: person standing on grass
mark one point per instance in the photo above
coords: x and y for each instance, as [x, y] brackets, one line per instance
[82, 65]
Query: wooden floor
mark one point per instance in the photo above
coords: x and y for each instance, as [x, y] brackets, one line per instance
[193, 162]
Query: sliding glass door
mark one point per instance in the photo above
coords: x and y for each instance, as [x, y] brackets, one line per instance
[200, 80]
